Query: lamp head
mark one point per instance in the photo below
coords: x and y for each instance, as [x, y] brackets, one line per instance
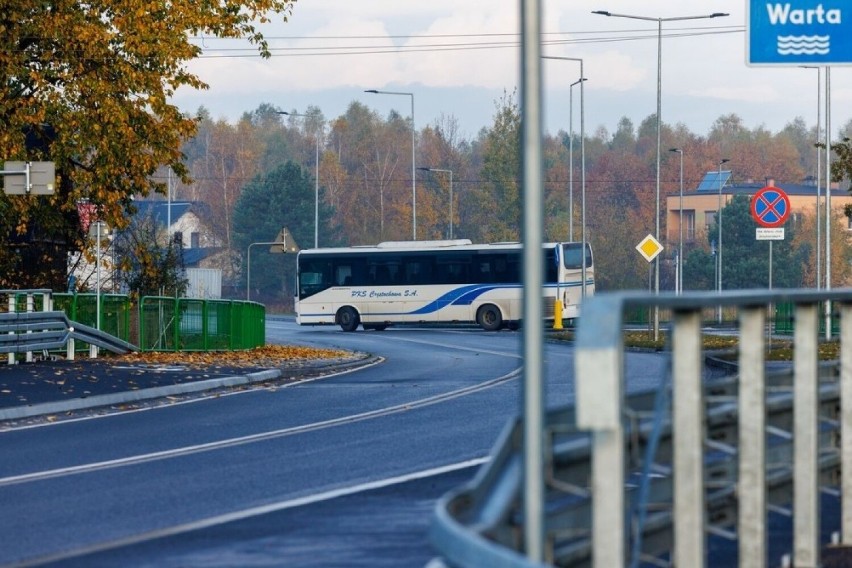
[724, 161]
[601, 12]
[374, 91]
[719, 14]
[678, 150]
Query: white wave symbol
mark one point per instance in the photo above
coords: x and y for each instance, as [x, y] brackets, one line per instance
[804, 45]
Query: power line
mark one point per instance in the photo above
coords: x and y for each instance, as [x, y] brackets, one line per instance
[319, 51]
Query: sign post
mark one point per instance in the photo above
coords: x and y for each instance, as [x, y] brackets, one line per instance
[283, 243]
[650, 248]
[770, 208]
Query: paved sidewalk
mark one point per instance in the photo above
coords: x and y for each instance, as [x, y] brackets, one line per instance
[46, 387]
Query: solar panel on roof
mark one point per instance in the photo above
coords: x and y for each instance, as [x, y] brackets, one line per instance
[711, 180]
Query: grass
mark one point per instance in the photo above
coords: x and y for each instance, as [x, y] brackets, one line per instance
[776, 350]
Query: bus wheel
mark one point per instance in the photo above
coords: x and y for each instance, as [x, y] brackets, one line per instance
[348, 318]
[489, 318]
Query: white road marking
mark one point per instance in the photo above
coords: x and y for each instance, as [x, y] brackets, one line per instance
[253, 438]
[254, 512]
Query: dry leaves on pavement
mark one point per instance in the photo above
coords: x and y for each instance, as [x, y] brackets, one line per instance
[266, 356]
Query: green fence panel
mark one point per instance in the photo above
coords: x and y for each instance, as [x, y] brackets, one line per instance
[220, 315]
[82, 308]
[785, 320]
[188, 324]
[164, 323]
[158, 324]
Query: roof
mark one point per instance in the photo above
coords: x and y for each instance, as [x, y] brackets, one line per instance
[192, 256]
[710, 185]
[159, 210]
[712, 180]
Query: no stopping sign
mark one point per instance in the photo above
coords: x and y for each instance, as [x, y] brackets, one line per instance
[770, 207]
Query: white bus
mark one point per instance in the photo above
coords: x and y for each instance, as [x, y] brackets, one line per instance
[433, 281]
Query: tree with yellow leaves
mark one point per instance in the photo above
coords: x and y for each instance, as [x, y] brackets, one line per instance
[87, 85]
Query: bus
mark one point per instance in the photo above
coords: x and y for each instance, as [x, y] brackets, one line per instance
[447, 281]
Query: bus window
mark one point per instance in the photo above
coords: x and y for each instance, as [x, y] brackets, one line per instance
[343, 275]
[573, 258]
[385, 274]
[551, 273]
[314, 276]
[418, 270]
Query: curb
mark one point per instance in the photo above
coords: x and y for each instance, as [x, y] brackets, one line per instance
[173, 390]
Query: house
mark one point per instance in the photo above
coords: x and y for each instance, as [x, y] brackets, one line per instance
[700, 205]
[184, 222]
[183, 219]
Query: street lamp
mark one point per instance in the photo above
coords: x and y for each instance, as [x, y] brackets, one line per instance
[571, 156]
[679, 275]
[582, 162]
[413, 167]
[719, 246]
[316, 176]
[818, 172]
[659, 123]
[451, 192]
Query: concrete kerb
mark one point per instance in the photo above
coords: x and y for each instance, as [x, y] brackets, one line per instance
[299, 373]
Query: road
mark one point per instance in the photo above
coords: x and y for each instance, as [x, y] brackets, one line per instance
[341, 471]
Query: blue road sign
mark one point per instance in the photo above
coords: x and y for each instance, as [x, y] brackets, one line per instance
[799, 32]
[770, 207]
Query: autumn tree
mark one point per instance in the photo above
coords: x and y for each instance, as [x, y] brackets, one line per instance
[440, 148]
[281, 198]
[745, 260]
[89, 84]
[150, 264]
[494, 206]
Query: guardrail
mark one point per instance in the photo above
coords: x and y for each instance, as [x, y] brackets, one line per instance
[646, 478]
[159, 323]
[30, 332]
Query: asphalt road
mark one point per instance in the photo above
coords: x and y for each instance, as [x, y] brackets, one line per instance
[341, 471]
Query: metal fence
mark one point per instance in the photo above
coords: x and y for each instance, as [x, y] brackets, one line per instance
[157, 323]
[115, 312]
[183, 324]
[645, 479]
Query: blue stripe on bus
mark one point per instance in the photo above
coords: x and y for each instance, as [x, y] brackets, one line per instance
[462, 296]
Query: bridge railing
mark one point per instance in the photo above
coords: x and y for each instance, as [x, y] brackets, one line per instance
[646, 478]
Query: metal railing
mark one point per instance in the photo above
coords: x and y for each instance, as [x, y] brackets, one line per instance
[159, 323]
[185, 324]
[646, 478]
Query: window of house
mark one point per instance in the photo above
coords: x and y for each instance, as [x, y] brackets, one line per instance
[709, 219]
[689, 224]
[194, 240]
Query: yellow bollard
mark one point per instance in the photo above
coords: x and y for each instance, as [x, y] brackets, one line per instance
[557, 314]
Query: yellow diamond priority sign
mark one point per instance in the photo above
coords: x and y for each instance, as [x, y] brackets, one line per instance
[649, 248]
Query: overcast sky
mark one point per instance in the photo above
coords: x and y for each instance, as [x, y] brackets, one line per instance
[458, 57]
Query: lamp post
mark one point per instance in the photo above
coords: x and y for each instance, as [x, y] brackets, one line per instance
[582, 165]
[828, 219]
[413, 166]
[659, 123]
[818, 172]
[679, 275]
[571, 157]
[451, 192]
[316, 176]
[719, 246]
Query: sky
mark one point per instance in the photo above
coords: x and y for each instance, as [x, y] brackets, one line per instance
[458, 58]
